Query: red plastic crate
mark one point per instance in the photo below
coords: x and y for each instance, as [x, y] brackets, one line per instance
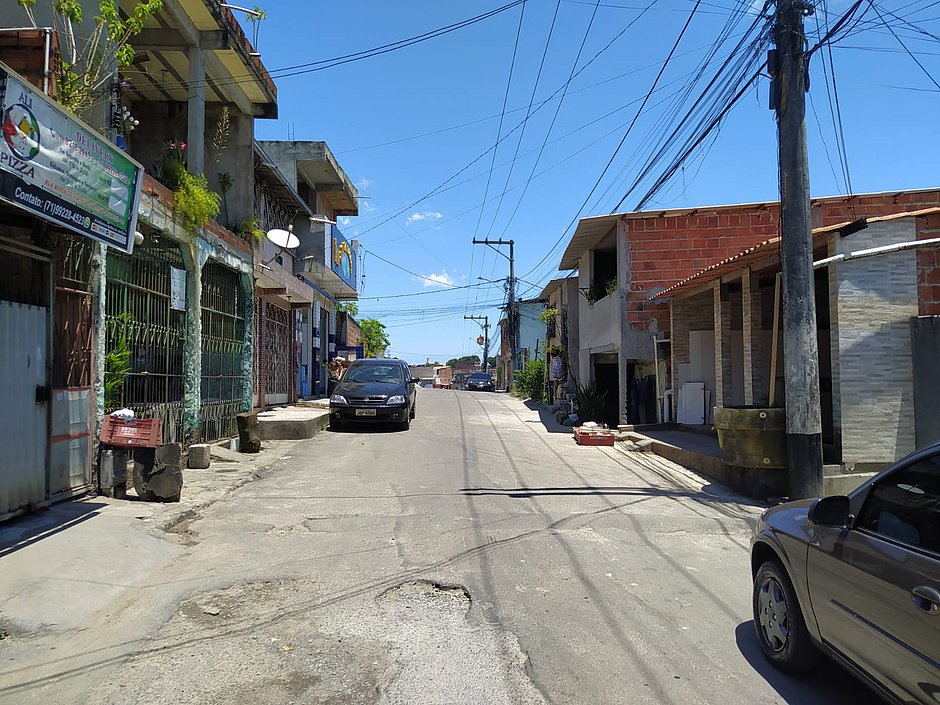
[593, 438]
[131, 433]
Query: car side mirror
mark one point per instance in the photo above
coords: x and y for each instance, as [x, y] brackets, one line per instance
[416, 380]
[830, 511]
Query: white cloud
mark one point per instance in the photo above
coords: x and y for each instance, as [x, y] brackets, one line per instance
[343, 221]
[442, 279]
[366, 206]
[424, 215]
[364, 183]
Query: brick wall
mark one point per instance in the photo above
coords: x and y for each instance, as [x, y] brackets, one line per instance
[872, 368]
[928, 268]
[24, 51]
[666, 249]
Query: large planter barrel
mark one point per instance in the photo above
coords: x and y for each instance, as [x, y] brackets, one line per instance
[754, 446]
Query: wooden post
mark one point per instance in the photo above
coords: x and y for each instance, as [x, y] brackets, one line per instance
[773, 344]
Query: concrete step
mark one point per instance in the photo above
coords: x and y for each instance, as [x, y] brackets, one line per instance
[845, 483]
[323, 403]
[292, 423]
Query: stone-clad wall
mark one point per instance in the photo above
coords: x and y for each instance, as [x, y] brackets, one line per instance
[873, 376]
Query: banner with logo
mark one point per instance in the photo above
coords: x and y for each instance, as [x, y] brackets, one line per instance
[55, 166]
[343, 258]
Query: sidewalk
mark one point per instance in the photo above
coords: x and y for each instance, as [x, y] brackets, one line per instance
[61, 565]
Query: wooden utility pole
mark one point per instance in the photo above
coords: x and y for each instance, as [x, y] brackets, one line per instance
[511, 305]
[800, 350]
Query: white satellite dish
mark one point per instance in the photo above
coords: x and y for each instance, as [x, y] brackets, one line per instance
[284, 238]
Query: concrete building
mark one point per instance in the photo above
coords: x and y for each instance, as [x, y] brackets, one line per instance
[874, 313]
[325, 260]
[562, 329]
[625, 260]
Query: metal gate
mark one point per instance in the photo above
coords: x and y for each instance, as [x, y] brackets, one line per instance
[141, 321]
[24, 358]
[273, 354]
[223, 343]
[72, 408]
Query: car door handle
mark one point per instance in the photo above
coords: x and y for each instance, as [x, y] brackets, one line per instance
[926, 599]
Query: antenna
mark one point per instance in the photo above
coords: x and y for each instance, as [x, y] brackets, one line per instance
[285, 239]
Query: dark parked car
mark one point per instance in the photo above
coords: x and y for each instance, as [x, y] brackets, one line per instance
[858, 578]
[480, 381]
[374, 389]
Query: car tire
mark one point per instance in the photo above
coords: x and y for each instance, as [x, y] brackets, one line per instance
[778, 621]
[411, 414]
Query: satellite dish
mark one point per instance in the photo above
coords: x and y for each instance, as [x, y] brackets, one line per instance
[284, 238]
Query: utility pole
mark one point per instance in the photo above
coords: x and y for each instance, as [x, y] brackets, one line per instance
[486, 336]
[800, 350]
[511, 305]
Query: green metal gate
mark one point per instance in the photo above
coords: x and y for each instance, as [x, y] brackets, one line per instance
[223, 342]
[141, 322]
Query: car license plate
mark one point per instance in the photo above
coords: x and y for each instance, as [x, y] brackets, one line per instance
[365, 412]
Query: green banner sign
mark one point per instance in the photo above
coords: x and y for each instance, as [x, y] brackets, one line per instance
[55, 166]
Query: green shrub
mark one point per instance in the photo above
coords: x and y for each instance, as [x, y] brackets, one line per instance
[530, 381]
[117, 361]
[590, 401]
[195, 202]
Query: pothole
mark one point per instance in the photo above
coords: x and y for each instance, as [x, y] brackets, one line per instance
[234, 602]
[420, 599]
[181, 529]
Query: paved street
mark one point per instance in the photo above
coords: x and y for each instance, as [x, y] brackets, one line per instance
[477, 558]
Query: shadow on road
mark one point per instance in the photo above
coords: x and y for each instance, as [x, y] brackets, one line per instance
[33, 528]
[830, 683]
[547, 417]
[589, 490]
[366, 427]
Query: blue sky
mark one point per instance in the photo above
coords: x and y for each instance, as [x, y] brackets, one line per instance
[371, 113]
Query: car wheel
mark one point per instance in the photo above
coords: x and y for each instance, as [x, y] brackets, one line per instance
[411, 415]
[779, 622]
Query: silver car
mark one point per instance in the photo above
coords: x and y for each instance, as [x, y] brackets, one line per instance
[857, 578]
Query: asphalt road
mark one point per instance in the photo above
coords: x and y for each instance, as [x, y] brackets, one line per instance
[480, 557]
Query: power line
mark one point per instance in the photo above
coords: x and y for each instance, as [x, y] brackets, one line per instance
[558, 109]
[323, 64]
[835, 108]
[479, 157]
[624, 138]
[502, 116]
[499, 130]
[535, 86]
[408, 271]
[903, 45]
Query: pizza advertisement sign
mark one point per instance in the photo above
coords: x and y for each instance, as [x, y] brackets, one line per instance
[58, 168]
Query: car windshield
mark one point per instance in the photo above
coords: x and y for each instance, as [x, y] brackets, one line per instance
[480, 377]
[391, 374]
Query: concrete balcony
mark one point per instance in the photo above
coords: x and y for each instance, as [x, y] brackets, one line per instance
[599, 325]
